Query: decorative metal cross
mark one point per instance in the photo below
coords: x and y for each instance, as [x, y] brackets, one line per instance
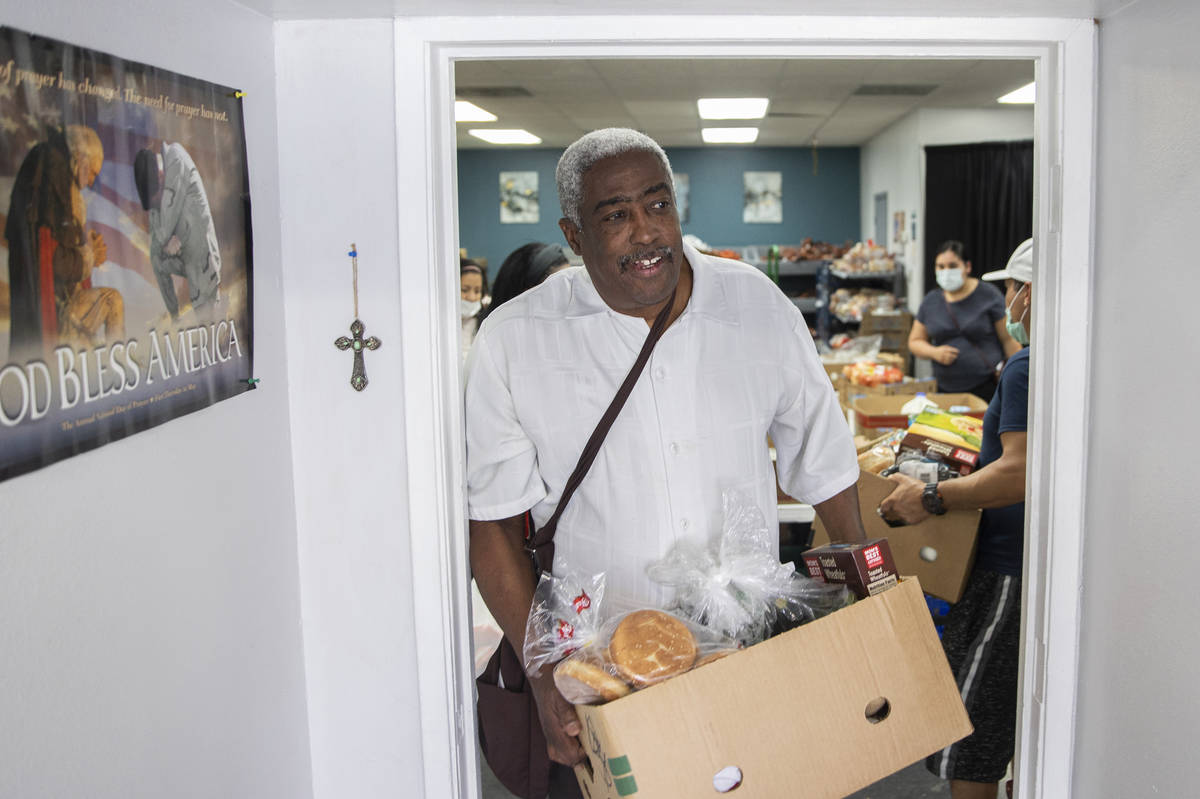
[358, 376]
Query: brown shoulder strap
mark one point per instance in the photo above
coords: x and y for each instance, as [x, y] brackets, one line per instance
[541, 545]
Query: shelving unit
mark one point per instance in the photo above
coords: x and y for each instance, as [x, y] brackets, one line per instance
[829, 281]
[795, 278]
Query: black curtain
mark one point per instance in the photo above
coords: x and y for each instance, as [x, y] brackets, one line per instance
[982, 195]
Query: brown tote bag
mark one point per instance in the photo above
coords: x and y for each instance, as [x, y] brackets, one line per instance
[510, 731]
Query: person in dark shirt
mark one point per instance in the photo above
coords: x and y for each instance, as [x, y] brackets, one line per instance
[982, 634]
[960, 327]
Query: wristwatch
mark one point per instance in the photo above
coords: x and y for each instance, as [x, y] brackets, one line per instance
[931, 500]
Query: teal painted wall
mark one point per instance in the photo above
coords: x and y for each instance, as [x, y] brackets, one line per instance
[824, 206]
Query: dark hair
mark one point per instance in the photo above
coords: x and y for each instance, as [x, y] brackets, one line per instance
[466, 265]
[954, 246]
[145, 176]
[524, 268]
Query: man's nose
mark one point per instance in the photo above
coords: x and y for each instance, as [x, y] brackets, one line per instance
[642, 229]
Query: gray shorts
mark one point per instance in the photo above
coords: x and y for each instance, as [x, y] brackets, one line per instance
[982, 640]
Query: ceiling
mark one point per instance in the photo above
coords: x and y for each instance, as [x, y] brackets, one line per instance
[810, 98]
[340, 9]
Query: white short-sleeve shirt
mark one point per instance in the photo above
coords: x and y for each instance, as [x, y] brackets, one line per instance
[737, 365]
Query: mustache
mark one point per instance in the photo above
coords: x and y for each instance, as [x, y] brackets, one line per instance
[626, 261]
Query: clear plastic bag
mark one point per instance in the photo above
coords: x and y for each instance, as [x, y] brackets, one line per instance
[635, 650]
[738, 588]
[563, 617]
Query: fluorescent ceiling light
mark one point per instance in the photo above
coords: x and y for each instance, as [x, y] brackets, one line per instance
[733, 107]
[1025, 94]
[503, 136]
[469, 112]
[729, 135]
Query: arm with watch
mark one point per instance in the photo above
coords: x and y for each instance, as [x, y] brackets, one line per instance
[997, 485]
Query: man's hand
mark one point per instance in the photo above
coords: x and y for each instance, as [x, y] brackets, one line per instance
[945, 354]
[559, 720]
[173, 246]
[904, 503]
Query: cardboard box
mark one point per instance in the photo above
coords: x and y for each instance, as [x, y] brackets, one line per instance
[909, 386]
[798, 714]
[948, 541]
[865, 568]
[883, 411]
[886, 322]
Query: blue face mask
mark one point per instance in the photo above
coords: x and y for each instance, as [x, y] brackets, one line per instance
[1016, 329]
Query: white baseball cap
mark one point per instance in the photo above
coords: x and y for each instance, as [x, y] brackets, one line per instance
[1019, 267]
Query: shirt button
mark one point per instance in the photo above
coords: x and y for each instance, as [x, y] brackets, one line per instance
[685, 524]
[674, 448]
[660, 373]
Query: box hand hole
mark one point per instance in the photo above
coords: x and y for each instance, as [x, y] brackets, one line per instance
[727, 779]
[878, 709]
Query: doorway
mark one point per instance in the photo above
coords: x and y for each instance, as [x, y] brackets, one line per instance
[1062, 50]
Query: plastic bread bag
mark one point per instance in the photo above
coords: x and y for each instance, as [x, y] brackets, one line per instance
[635, 650]
[563, 617]
[738, 587]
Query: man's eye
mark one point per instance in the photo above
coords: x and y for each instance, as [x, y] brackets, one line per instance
[614, 216]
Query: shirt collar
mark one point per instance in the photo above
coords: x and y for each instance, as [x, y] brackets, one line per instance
[709, 297]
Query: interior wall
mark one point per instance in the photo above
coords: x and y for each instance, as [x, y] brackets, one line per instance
[338, 185]
[820, 201]
[894, 162]
[1136, 725]
[150, 627]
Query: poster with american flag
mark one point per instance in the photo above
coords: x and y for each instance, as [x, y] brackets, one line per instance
[125, 257]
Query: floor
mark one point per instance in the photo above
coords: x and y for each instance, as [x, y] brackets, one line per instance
[913, 782]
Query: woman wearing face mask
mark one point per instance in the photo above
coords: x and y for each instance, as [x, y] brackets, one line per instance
[960, 326]
[472, 281]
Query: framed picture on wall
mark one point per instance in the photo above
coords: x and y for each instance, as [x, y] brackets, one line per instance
[762, 197]
[519, 198]
[683, 196]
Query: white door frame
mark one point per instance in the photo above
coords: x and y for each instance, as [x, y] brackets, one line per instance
[1064, 51]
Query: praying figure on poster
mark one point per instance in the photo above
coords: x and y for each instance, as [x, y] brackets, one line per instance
[183, 239]
[51, 253]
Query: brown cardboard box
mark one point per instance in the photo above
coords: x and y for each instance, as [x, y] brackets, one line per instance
[908, 387]
[886, 322]
[950, 540]
[797, 714]
[883, 411]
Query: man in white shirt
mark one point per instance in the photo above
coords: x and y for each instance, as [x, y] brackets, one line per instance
[735, 364]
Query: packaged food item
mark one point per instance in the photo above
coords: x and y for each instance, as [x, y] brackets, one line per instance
[867, 373]
[866, 568]
[914, 406]
[952, 428]
[635, 650]
[563, 617]
[876, 459]
[737, 587]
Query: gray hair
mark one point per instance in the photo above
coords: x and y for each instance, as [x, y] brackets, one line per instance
[586, 151]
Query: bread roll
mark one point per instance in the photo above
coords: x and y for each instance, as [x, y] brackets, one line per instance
[649, 646]
[582, 682]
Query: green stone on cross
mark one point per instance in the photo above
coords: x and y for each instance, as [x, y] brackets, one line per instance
[358, 376]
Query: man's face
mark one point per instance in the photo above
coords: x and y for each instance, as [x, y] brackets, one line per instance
[630, 238]
[85, 171]
[1018, 298]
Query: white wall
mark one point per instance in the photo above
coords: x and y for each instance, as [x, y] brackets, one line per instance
[150, 643]
[337, 153]
[1137, 723]
[894, 161]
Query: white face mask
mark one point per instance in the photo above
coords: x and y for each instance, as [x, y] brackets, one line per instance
[468, 308]
[950, 279]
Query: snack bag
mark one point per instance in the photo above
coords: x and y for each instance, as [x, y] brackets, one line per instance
[738, 588]
[563, 617]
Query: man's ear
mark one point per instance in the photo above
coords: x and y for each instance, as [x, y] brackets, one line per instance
[571, 233]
